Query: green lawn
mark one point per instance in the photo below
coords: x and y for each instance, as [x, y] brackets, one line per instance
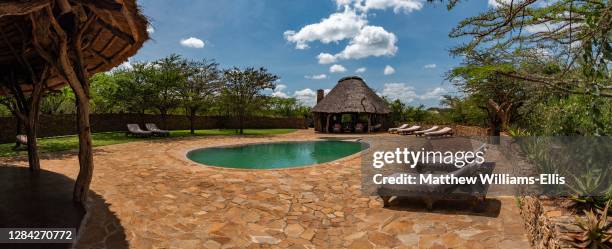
[55, 144]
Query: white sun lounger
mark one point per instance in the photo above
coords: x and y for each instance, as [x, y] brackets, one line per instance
[420, 133]
[408, 130]
[446, 131]
[393, 130]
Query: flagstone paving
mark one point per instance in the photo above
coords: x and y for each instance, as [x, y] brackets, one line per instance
[163, 200]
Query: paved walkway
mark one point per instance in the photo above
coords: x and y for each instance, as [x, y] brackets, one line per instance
[148, 195]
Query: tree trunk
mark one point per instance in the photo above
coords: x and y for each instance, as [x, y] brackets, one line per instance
[31, 131]
[83, 180]
[192, 114]
[241, 123]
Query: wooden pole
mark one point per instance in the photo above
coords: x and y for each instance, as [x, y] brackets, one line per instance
[327, 124]
[369, 122]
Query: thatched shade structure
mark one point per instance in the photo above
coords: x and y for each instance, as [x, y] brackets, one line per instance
[45, 44]
[351, 96]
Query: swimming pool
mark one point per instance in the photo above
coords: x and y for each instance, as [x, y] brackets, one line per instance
[275, 155]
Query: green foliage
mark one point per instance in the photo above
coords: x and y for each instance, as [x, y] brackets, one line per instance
[65, 143]
[590, 189]
[242, 92]
[285, 107]
[573, 115]
[595, 230]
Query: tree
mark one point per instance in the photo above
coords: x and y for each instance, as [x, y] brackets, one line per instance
[203, 80]
[163, 78]
[242, 90]
[133, 89]
[498, 95]
[574, 33]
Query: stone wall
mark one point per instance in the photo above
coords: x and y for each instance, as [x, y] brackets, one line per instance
[547, 225]
[59, 125]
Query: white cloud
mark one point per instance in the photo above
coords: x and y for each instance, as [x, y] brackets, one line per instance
[279, 91]
[499, 3]
[360, 70]
[192, 42]
[436, 93]
[336, 68]
[127, 65]
[399, 91]
[316, 77]
[389, 70]
[430, 66]
[150, 29]
[337, 27]
[407, 94]
[371, 41]
[397, 5]
[307, 96]
[325, 58]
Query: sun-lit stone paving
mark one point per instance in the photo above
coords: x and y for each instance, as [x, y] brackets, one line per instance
[162, 200]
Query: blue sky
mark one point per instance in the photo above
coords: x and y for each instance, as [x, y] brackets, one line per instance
[400, 45]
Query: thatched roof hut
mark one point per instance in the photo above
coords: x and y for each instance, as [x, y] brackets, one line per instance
[45, 44]
[111, 32]
[351, 96]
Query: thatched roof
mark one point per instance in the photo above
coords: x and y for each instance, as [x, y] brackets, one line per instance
[351, 94]
[114, 31]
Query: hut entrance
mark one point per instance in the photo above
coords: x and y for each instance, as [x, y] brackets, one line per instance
[351, 106]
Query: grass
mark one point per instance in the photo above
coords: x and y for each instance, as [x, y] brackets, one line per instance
[57, 144]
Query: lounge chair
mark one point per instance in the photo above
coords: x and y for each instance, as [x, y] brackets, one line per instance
[157, 131]
[430, 193]
[359, 128]
[394, 130]
[420, 133]
[134, 130]
[20, 140]
[337, 128]
[446, 131]
[409, 130]
[376, 127]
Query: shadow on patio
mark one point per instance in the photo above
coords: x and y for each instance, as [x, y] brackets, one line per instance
[44, 200]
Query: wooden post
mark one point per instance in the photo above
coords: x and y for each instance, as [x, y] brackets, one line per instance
[327, 124]
[369, 122]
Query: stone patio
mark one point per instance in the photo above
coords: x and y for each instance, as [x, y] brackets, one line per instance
[148, 195]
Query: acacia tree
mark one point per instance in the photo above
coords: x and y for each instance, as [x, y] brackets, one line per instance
[202, 81]
[164, 78]
[574, 33]
[243, 90]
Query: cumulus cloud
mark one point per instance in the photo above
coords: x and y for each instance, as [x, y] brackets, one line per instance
[360, 70]
[407, 94]
[499, 3]
[336, 27]
[336, 68]
[192, 42]
[279, 91]
[363, 40]
[405, 6]
[127, 65]
[307, 96]
[435, 93]
[325, 58]
[430, 66]
[371, 41]
[316, 77]
[389, 70]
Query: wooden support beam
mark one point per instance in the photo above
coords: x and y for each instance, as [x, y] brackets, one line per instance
[119, 33]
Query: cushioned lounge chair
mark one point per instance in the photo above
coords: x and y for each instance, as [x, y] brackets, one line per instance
[431, 193]
[420, 133]
[157, 131]
[359, 128]
[394, 130]
[409, 130]
[337, 128]
[134, 130]
[20, 140]
[376, 127]
[446, 131]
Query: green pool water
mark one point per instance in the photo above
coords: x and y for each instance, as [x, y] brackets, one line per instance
[275, 155]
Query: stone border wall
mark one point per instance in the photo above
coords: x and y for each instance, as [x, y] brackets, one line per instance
[547, 225]
[59, 125]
